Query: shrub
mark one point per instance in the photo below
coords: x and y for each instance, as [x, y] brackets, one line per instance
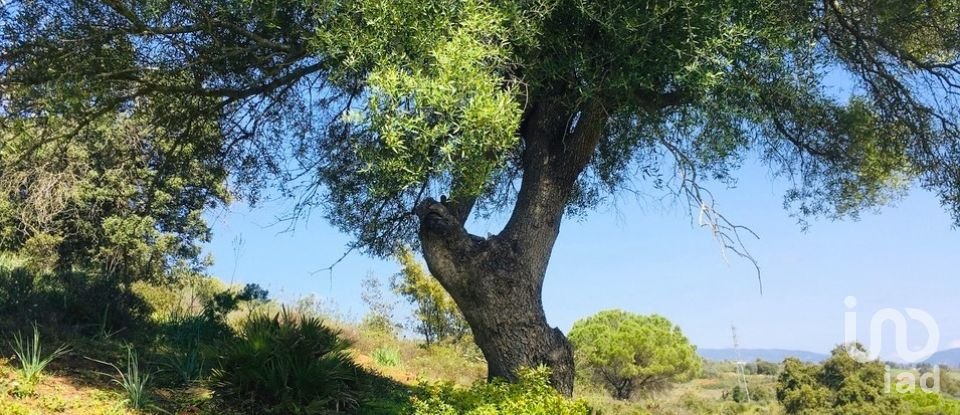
[923, 403]
[379, 318]
[222, 303]
[530, 395]
[89, 302]
[187, 365]
[283, 365]
[739, 395]
[184, 344]
[629, 353]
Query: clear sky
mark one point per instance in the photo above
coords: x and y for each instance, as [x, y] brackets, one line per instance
[655, 259]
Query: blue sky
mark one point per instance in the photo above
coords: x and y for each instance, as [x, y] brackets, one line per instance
[654, 259]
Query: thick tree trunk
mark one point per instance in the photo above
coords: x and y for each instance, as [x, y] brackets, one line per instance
[497, 281]
[497, 285]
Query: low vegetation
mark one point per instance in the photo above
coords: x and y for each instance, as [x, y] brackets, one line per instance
[281, 363]
[194, 345]
[132, 380]
[530, 395]
[30, 357]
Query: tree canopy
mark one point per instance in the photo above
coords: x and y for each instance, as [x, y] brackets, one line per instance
[123, 198]
[629, 353]
[381, 104]
[845, 385]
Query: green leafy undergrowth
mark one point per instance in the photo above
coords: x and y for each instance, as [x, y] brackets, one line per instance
[531, 395]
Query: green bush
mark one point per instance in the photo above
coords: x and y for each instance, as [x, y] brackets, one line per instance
[88, 303]
[763, 367]
[924, 403]
[738, 394]
[530, 395]
[189, 318]
[184, 345]
[280, 364]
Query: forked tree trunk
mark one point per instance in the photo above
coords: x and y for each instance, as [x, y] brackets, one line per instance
[497, 281]
[497, 285]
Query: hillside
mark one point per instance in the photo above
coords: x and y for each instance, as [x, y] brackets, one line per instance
[949, 357]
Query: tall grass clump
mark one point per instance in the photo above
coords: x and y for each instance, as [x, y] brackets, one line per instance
[387, 357]
[282, 364]
[31, 358]
[185, 341]
[134, 382]
[187, 365]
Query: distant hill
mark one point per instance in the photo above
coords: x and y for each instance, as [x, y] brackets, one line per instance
[770, 355]
[949, 357]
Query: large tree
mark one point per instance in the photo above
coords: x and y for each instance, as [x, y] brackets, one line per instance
[122, 198]
[371, 110]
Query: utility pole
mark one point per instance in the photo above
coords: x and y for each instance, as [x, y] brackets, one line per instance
[741, 375]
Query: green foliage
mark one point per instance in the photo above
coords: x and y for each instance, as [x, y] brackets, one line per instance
[31, 358]
[738, 394]
[431, 95]
[630, 353]
[284, 365]
[134, 113]
[438, 317]
[920, 402]
[949, 383]
[222, 303]
[387, 357]
[841, 385]
[187, 364]
[763, 367]
[185, 343]
[189, 318]
[379, 317]
[85, 301]
[126, 200]
[463, 118]
[530, 395]
[132, 380]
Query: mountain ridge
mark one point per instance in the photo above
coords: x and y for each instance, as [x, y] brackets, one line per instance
[948, 357]
[770, 355]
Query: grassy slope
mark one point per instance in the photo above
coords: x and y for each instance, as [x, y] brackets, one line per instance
[75, 385]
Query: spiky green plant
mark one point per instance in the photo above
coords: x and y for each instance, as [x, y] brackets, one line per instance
[187, 364]
[387, 357]
[30, 355]
[286, 364]
[134, 382]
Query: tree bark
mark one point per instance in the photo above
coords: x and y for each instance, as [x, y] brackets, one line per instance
[497, 281]
[497, 285]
